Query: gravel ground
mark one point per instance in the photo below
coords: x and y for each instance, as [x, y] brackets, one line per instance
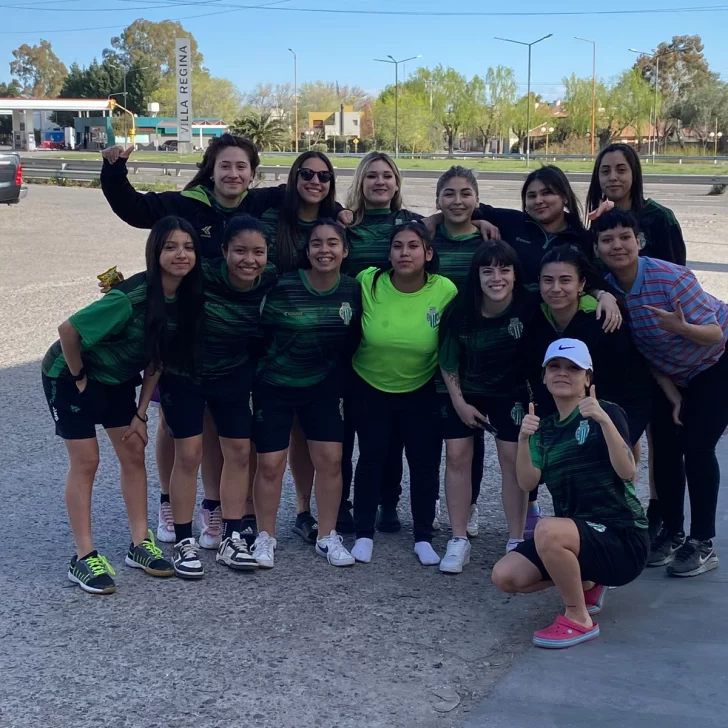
[387, 644]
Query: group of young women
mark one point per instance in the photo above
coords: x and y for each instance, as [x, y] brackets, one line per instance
[280, 326]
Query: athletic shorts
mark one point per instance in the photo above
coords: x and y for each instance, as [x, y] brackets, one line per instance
[76, 414]
[228, 399]
[320, 410]
[155, 397]
[607, 556]
[638, 417]
[505, 415]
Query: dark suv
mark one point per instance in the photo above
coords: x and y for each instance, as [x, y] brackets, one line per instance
[12, 189]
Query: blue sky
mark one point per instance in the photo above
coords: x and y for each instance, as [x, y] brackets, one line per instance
[250, 45]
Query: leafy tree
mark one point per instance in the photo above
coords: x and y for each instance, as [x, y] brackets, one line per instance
[630, 104]
[702, 107]
[265, 131]
[39, 70]
[520, 119]
[501, 88]
[415, 122]
[323, 96]
[211, 97]
[10, 90]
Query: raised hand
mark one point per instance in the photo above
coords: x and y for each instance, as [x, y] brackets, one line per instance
[604, 206]
[487, 230]
[670, 321]
[590, 408]
[113, 154]
[345, 217]
[530, 423]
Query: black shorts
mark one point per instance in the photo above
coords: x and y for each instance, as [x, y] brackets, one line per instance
[638, 417]
[607, 556]
[320, 410]
[505, 415]
[76, 414]
[228, 399]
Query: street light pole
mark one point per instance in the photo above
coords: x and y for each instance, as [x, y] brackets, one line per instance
[295, 93]
[594, 90]
[528, 93]
[390, 59]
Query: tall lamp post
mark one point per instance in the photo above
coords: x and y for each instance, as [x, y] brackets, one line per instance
[594, 90]
[390, 59]
[716, 136]
[528, 93]
[295, 93]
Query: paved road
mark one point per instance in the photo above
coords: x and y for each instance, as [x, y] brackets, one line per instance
[305, 644]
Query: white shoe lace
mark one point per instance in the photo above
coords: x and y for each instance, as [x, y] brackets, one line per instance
[263, 546]
[239, 544]
[214, 527]
[190, 551]
[335, 546]
[165, 516]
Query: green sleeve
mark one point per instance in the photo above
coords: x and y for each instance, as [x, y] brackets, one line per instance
[449, 355]
[102, 318]
[534, 446]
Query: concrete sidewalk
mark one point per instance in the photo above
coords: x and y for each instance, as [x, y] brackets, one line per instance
[661, 659]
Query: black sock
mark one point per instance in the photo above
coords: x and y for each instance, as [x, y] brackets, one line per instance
[92, 553]
[164, 497]
[210, 505]
[248, 517]
[182, 531]
[229, 525]
[302, 516]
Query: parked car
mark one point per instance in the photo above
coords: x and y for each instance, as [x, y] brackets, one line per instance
[12, 189]
[171, 145]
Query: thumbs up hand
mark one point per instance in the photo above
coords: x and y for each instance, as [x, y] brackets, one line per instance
[590, 408]
[530, 423]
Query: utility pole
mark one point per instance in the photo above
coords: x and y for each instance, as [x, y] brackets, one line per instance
[594, 91]
[295, 94]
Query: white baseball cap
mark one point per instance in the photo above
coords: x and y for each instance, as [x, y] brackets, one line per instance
[572, 349]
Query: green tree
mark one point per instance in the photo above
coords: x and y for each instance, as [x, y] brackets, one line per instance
[324, 96]
[415, 122]
[630, 104]
[266, 132]
[702, 109]
[39, 70]
[10, 90]
[520, 119]
[211, 97]
[501, 85]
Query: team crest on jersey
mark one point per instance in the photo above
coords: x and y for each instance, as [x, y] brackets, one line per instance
[582, 432]
[515, 328]
[205, 232]
[433, 317]
[346, 313]
[517, 414]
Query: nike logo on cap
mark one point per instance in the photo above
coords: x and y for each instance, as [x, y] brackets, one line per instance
[564, 348]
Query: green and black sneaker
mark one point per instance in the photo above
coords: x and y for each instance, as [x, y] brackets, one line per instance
[148, 556]
[93, 574]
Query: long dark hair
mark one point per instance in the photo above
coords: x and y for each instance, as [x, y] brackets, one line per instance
[287, 235]
[594, 196]
[554, 179]
[418, 228]
[465, 309]
[570, 255]
[243, 224]
[207, 165]
[183, 347]
[303, 260]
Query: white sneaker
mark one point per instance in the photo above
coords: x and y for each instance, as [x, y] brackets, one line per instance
[233, 552]
[210, 525]
[436, 522]
[456, 556]
[165, 529]
[332, 548]
[426, 554]
[362, 551]
[186, 559]
[472, 528]
[264, 550]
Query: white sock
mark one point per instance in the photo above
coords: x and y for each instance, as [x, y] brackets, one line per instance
[426, 554]
[362, 550]
[512, 543]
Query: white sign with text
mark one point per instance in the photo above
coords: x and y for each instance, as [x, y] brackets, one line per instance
[183, 53]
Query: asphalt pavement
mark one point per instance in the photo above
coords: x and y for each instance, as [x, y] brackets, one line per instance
[386, 644]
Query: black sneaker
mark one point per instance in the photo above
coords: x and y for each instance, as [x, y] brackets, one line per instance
[345, 519]
[663, 547]
[249, 529]
[186, 559]
[388, 520]
[93, 574]
[148, 557]
[693, 558]
[654, 519]
[306, 527]
[233, 552]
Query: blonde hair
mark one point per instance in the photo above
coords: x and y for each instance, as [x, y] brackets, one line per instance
[355, 200]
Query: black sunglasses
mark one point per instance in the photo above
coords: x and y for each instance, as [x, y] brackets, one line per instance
[308, 174]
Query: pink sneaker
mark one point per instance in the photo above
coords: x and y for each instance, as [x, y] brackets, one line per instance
[165, 529]
[594, 598]
[564, 633]
[210, 525]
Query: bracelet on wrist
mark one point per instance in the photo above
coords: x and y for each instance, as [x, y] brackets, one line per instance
[143, 418]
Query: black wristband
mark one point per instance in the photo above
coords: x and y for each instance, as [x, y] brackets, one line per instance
[144, 419]
[78, 377]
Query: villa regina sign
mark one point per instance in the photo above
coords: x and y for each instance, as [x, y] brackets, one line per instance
[183, 54]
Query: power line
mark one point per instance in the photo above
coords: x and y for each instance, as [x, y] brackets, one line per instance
[400, 13]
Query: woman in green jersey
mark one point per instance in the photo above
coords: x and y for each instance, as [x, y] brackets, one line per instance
[393, 389]
[312, 325]
[598, 536]
[234, 290]
[90, 377]
[480, 357]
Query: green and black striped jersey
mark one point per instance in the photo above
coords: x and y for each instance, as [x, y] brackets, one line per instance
[270, 221]
[232, 319]
[488, 353]
[369, 239]
[309, 334]
[456, 254]
[112, 334]
[573, 458]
